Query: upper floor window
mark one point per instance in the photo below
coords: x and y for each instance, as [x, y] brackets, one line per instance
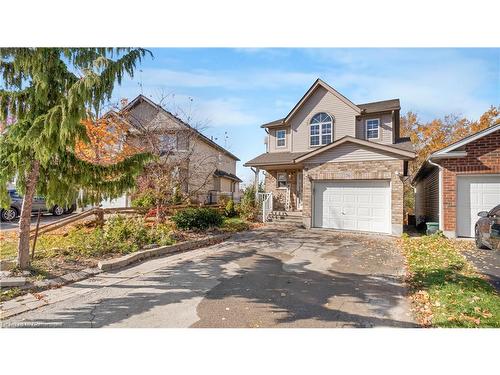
[280, 138]
[372, 128]
[321, 129]
[168, 142]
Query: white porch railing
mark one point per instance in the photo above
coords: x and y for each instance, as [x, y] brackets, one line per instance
[266, 200]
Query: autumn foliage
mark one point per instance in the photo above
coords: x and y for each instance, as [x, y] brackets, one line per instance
[434, 135]
[107, 141]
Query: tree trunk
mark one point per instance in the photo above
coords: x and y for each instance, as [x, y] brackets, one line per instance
[23, 249]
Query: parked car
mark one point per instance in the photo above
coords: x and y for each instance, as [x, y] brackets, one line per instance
[488, 229]
[14, 210]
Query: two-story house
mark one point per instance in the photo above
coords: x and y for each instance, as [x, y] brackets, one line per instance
[340, 164]
[205, 170]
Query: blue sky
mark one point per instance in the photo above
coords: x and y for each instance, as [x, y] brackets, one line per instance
[236, 90]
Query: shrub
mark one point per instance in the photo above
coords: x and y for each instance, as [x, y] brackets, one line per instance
[248, 211]
[197, 218]
[230, 209]
[126, 235]
[144, 199]
[235, 225]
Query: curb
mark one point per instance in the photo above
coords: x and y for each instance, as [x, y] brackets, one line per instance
[32, 301]
[113, 264]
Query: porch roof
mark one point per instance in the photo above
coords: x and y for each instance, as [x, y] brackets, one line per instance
[274, 158]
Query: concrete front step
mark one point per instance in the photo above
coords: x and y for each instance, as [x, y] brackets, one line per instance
[286, 218]
[286, 214]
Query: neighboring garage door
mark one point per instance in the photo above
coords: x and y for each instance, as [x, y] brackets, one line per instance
[353, 205]
[474, 194]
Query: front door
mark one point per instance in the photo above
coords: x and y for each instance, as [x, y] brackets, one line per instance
[299, 191]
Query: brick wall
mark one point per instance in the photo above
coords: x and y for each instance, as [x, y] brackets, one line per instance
[483, 157]
[362, 170]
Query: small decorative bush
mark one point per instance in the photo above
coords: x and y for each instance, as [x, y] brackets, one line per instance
[197, 218]
[145, 199]
[247, 210]
[230, 209]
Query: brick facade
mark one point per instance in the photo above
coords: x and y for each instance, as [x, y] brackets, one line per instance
[483, 157]
[362, 170]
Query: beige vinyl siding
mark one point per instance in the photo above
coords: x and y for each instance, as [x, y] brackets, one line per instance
[225, 185]
[385, 129]
[427, 198]
[350, 152]
[204, 159]
[321, 101]
[272, 140]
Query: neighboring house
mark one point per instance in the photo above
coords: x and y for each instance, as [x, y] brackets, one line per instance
[207, 171]
[458, 181]
[338, 163]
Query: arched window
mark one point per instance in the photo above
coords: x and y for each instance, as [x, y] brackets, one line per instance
[321, 129]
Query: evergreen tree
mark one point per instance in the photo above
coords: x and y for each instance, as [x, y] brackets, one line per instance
[46, 93]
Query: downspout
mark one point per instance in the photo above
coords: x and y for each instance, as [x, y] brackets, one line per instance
[440, 194]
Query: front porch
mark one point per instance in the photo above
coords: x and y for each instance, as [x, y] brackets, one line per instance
[286, 186]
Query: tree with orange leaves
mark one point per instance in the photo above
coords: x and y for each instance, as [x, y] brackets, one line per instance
[107, 140]
[434, 135]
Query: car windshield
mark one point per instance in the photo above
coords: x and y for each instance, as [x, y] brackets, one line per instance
[495, 211]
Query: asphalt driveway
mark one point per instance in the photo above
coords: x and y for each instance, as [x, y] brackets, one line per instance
[275, 277]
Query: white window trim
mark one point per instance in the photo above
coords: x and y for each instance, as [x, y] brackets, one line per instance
[278, 179]
[277, 145]
[330, 134]
[378, 128]
[315, 135]
[320, 135]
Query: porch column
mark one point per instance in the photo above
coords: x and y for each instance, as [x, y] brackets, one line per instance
[256, 183]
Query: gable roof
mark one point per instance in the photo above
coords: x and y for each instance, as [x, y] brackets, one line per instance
[378, 146]
[405, 150]
[373, 107]
[141, 98]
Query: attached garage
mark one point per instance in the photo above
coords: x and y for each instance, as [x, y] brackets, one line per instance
[361, 205]
[475, 194]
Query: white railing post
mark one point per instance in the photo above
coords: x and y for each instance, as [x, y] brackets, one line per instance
[266, 199]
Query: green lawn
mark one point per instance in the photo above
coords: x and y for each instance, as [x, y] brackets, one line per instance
[446, 289]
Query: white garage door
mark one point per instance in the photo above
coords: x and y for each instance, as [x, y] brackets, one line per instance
[353, 205]
[474, 194]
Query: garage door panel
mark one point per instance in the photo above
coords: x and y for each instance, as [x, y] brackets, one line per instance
[378, 212]
[348, 224]
[353, 205]
[475, 194]
[364, 225]
[364, 211]
[378, 227]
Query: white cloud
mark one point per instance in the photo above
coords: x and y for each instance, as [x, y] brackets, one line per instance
[432, 82]
[227, 112]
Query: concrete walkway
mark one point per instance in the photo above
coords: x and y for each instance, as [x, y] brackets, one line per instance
[275, 277]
